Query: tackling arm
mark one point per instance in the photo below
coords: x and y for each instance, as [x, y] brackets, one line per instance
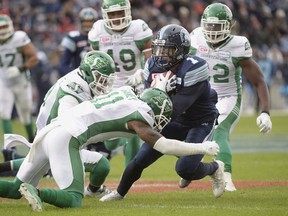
[169, 146]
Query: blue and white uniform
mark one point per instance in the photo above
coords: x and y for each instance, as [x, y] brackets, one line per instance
[193, 120]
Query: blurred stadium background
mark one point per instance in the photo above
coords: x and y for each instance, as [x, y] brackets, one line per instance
[263, 22]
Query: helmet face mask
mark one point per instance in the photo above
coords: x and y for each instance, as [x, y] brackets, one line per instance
[216, 23]
[6, 27]
[171, 46]
[116, 14]
[87, 17]
[98, 69]
[161, 106]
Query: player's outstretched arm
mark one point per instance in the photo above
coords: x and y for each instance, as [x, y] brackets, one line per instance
[171, 146]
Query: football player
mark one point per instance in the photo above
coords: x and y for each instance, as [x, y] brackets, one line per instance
[17, 56]
[75, 44]
[194, 111]
[57, 145]
[128, 42]
[94, 76]
[228, 56]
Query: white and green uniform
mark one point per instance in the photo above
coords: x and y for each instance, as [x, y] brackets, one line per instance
[66, 93]
[59, 142]
[225, 78]
[18, 89]
[73, 85]
[124, 47]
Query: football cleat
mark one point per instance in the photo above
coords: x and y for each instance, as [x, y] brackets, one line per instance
[99, 193]
[184, 183]
[229, 184]
[218, 181]
[30, 193]
[114, 195]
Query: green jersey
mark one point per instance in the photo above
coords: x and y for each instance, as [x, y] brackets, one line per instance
[106, 116]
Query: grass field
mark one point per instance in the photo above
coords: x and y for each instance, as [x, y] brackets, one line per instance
[260, 174]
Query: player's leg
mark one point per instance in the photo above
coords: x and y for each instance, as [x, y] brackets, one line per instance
[145, 157]
[12, 165]
[192, 168]
[6, 107]
[229, 109]
[24, 107]
[67, 170]
[99, 167]
[131, 148]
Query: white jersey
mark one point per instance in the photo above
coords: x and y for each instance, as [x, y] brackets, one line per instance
[71, 84]
[10, 55]
[105, 117]
[125, 47]
[225, 73]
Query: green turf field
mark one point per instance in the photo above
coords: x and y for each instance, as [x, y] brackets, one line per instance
[258, 159]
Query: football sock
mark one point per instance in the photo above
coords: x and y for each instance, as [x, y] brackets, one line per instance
[61, 198]
[131, 148]
[98, 172]
[7, 126]
[9, 189]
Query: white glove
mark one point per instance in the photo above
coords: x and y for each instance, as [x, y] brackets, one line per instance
[165, 84]
[264, 123]
[136, 78]
[12, 72]
[211, 148]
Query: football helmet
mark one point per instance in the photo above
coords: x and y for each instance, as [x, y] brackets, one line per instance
[87, 15]
[6, 27]
[98, 70]
[216, 22]
[116, 23]
[160, 104]
[171, 46]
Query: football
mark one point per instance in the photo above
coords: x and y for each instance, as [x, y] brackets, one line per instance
[164, 74]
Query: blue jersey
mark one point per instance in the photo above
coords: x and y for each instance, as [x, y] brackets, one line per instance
[193, 99]
[75, 46]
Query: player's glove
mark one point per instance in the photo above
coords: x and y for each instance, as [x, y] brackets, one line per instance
[264, 123]
[136, 78]
[165, 83]
[211, 148]
[13, 72]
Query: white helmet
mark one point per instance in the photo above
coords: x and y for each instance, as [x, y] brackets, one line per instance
[120, 23]
[6, 27]
[216, 22]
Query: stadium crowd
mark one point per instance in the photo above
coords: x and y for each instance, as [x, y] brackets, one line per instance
[263, 22]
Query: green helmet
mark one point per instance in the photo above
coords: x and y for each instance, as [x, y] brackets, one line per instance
[118, 23]
[98, 70]
[6, 27]
[216, 22]
[160, 104]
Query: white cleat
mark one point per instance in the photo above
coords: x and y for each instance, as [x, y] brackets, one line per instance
[184, 183]
[102, 191]
[218, 181]
[114, 195]
[229, 183]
